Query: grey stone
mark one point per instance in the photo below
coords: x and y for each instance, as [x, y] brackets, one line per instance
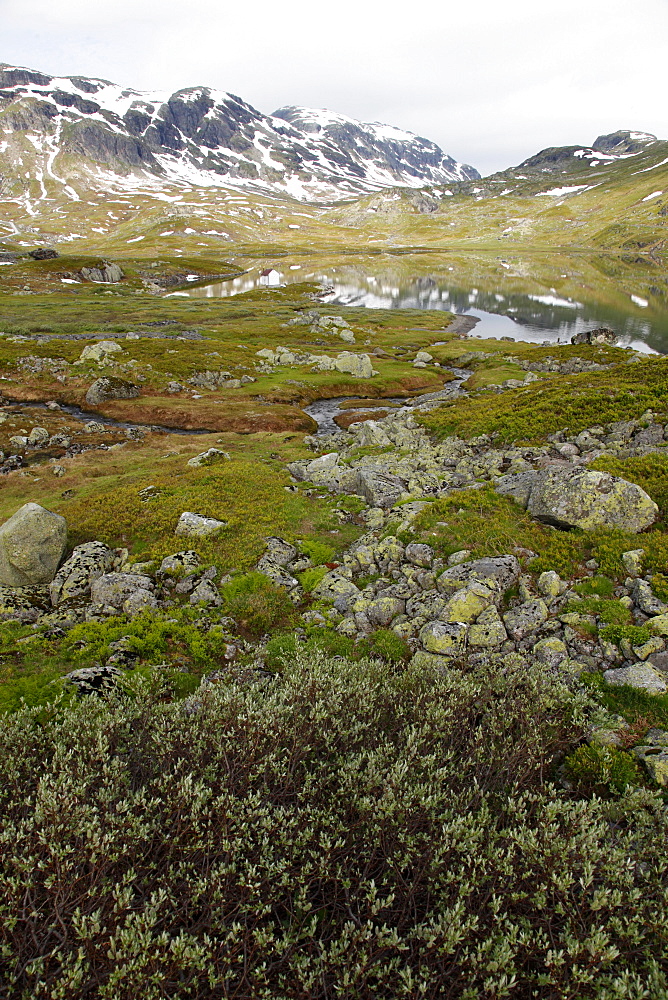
[211, 457]
[113, 589]
[197, 526]
[638, 675]
[279, 551]
[96, 352]
[357, 365]
[582, 498]
[633, 561]
[104, 274]
[643, 597]
[419, 554]
[32, 544]
[74, 578]
[333, 586]
[443, 638]
[488, 630]
[497, 572]
[380, 489]
[180, 562]
[110, 387]
[384, 609]
[525, 618]
[206, 592]
[140, 601]
[38, 435]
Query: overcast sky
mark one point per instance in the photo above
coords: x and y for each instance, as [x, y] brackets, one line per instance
[491, 82]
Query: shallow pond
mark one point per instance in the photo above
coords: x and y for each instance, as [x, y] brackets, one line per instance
[542, 298]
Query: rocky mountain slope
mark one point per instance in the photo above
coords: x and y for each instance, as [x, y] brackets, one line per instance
[64, 128]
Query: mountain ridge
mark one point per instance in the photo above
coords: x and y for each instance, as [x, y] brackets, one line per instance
[201, 135]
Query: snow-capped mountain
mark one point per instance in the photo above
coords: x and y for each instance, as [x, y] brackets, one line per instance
[204, 137]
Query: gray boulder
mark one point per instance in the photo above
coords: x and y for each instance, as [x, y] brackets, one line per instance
[32, 543]
[602, 335]
[443, 638]
[526, 618]
[206, 592]
[114, 589]
[74, 578]
[280, 551]
[380, 489]
[104, 274]
[110, 387]
[211, 457]
[193, 525]
[583, 498]
[497, 572]
[180, 562]
[638, 675]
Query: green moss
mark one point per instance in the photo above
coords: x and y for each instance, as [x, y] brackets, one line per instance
[633, 704]
[635, 634]
[310, 578]
[598, 586]
[597, 769]
[609, 612]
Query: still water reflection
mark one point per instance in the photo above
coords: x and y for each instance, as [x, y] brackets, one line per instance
[507, 299]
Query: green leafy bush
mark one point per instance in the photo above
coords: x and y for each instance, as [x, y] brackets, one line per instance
[256, 604]
[344, 829]
[608, 611]
[318, 552]
[635, 634]
[595, 586]
[386, 644]
[598, 769]
[310, 578]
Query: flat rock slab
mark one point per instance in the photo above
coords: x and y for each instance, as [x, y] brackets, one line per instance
[638, 675]
[197, 526]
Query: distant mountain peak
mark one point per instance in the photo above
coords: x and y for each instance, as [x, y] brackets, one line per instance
[203, 136]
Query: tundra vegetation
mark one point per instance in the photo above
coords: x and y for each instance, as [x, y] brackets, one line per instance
[279, 765]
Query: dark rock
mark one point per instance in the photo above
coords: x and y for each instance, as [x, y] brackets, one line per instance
[43, 253]
[110, 387]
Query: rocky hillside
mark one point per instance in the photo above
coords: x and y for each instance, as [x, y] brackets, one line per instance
[63, 128]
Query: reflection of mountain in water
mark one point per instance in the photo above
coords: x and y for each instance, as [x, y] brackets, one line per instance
[524, 317]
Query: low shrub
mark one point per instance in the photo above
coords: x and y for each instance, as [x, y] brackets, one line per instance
[385, 644]
[595, 586]
[345, 829]
[310, 578]
[256, 604]
[602, 769]
[318, 552]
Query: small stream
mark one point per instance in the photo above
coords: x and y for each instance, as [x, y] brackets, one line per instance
[324, 411]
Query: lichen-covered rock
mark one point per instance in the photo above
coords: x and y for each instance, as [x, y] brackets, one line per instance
[655, 759]
[211, 457]
[192, 525]
[333, 586]
[279, 551]
[32, 544]
[278, 574]
[110, 387]
[550, 584]
[638, 675]
[525, 618]
[357, 365]
[38, 435]
[644, 598]
[443, 638]
[467, 603]
[498, 573]
[587, 499]
[380, 489]
[74, 578]
[550, 651]
[488, 631]
[633, 561]
[384, 609]
[96, 352]
[206, 592]
[113, 589]
[180, 562]
[106, 273]
[140, 601]
[419, 554]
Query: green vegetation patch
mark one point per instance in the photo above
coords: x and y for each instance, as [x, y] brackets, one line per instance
[563, 401]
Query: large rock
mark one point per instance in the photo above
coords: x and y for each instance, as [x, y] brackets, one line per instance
[638, 675]
[357, 365]
[444, 638]
[381, 490]
[526, 618]
[497, 572]
[211, 457]
[110, 387]
[104, 274]
[602, 335]
[192, 525]
[96, 352]
[114, 589]
[582, 498]
[32, 543]
[74, 578]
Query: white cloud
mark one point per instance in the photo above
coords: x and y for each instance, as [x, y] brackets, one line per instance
[491, 83]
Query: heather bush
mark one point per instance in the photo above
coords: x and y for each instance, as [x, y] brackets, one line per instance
[344, 829]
